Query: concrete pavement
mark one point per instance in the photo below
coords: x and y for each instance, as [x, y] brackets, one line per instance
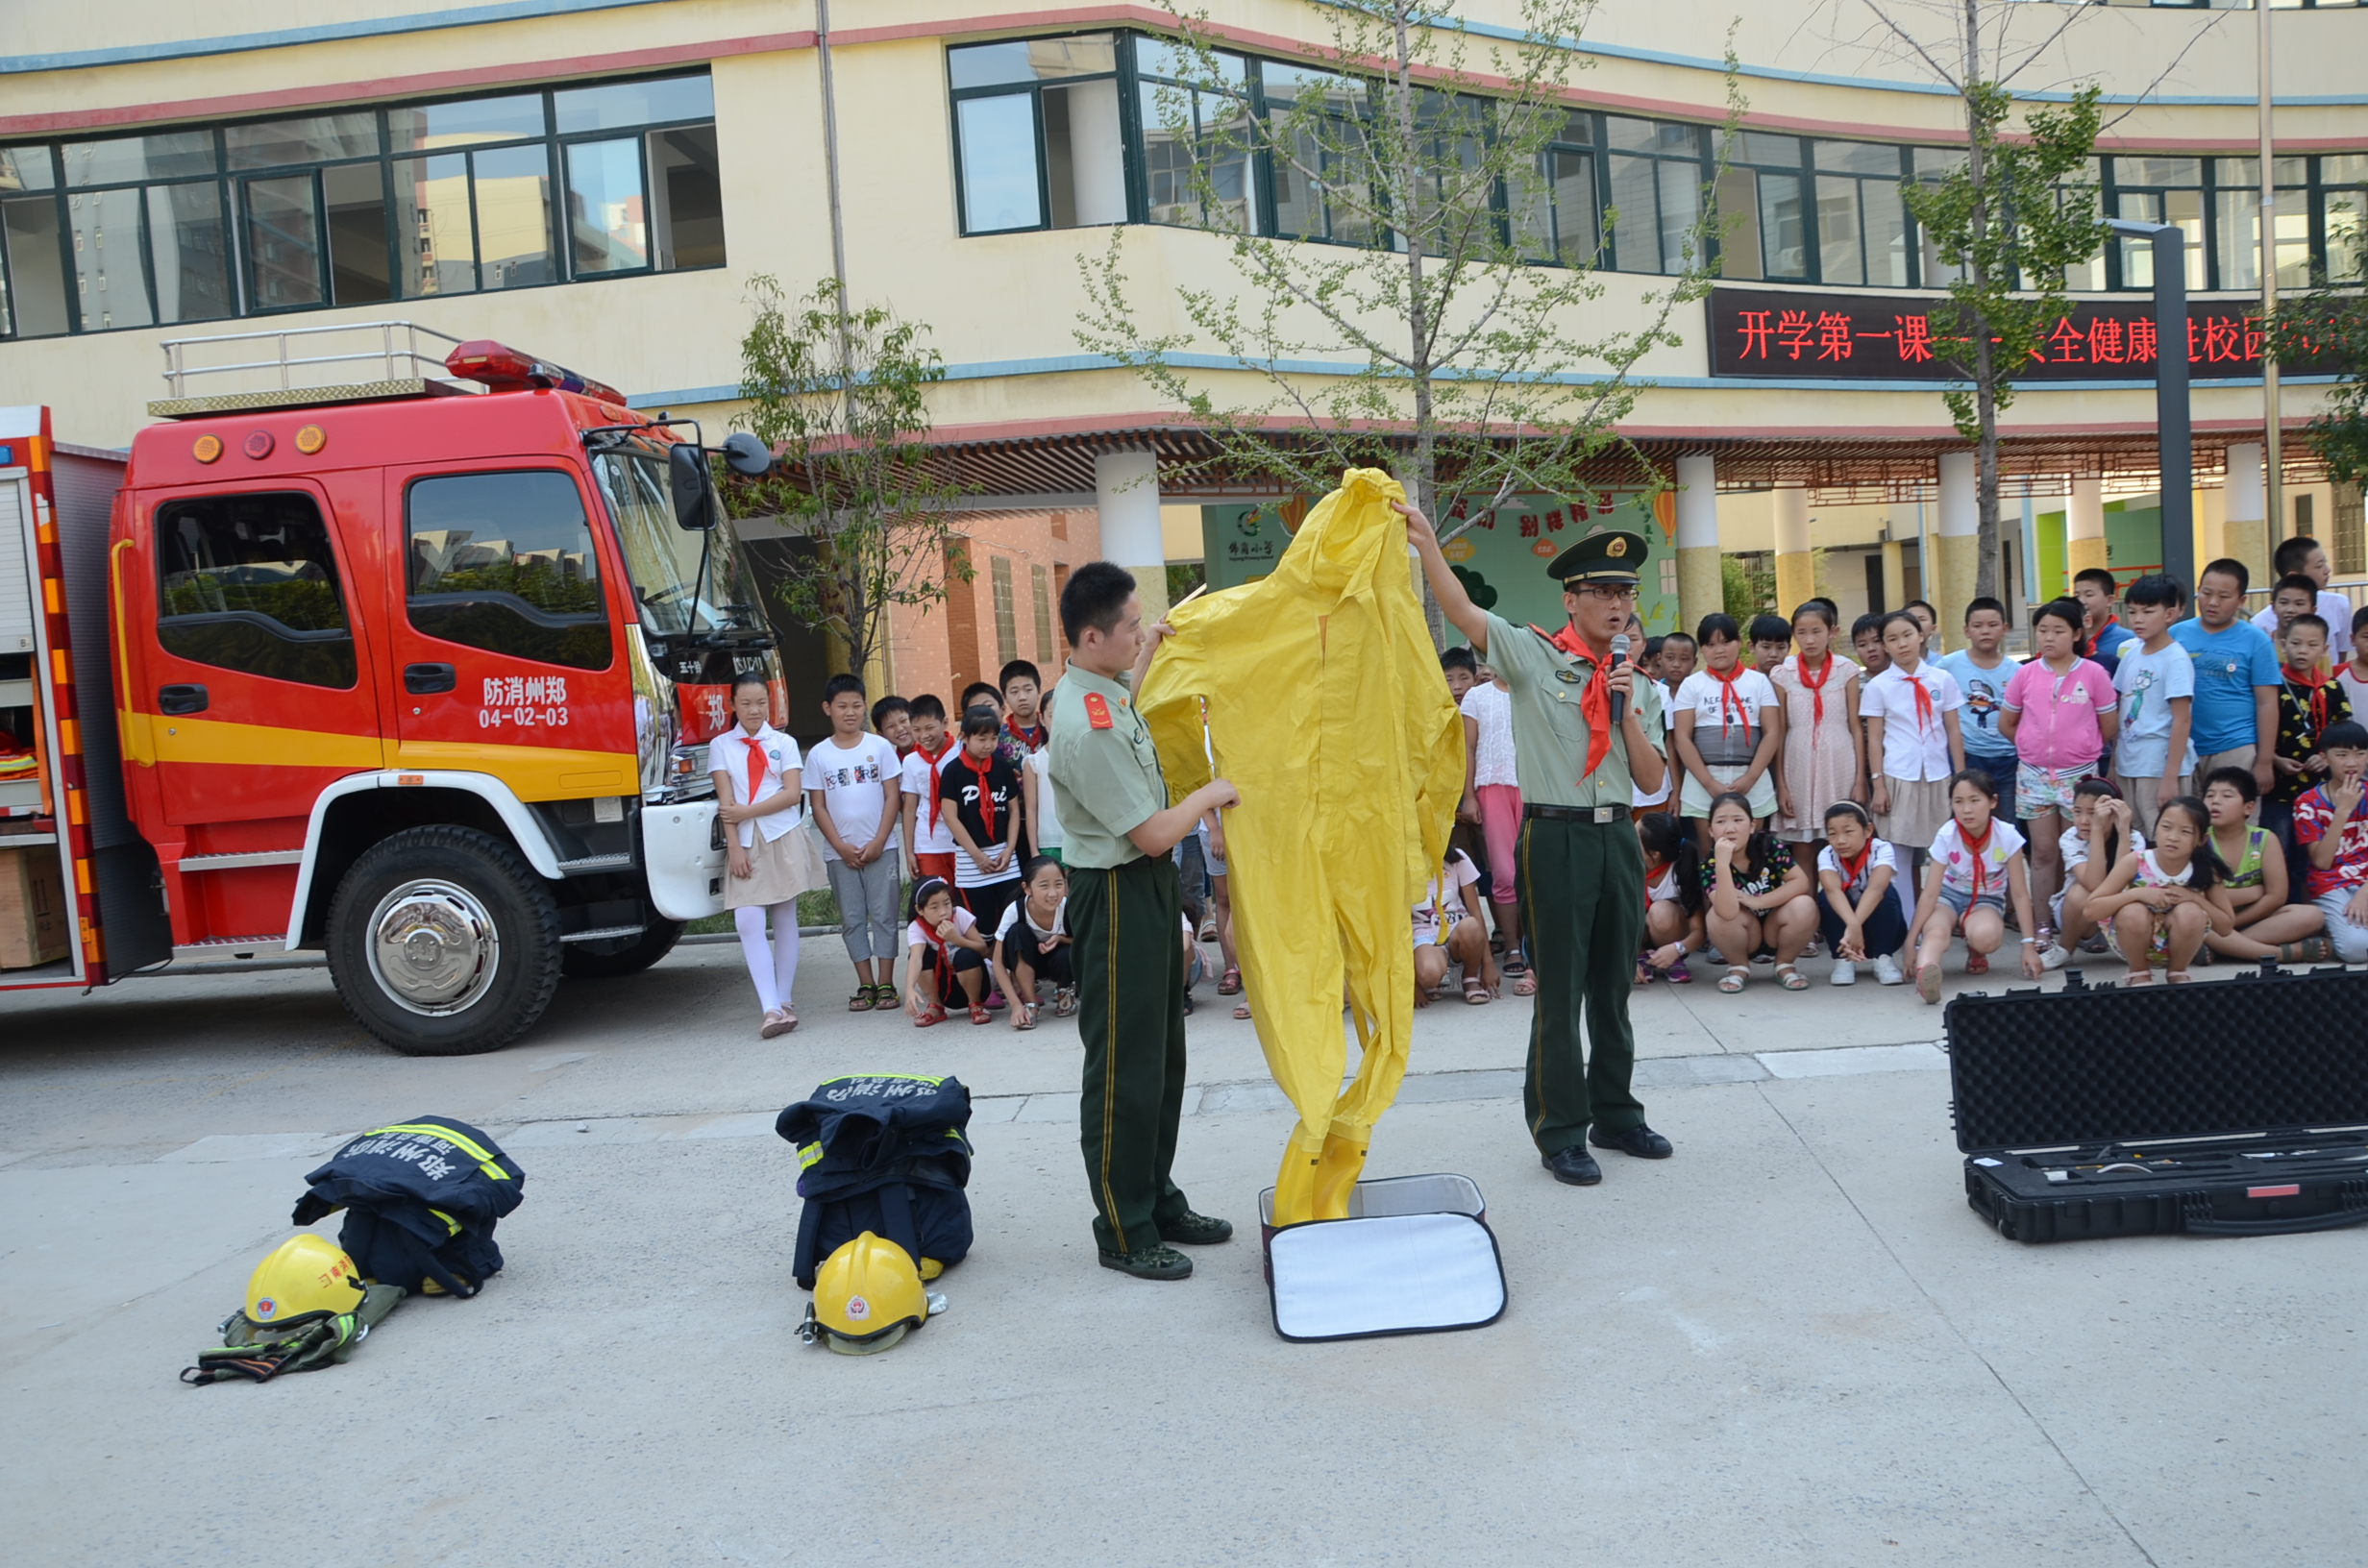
[1791, 1343]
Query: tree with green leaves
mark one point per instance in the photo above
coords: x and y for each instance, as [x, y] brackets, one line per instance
[1446, 355]
[2328, 326]
[837, 394]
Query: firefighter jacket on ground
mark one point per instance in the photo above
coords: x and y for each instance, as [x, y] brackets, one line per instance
[1325, 707]
[421, 1199]
[884, 1153]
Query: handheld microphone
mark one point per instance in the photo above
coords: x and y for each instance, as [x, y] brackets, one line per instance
[1619, 699]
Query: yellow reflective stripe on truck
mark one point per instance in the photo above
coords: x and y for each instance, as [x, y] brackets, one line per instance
[428, 1129]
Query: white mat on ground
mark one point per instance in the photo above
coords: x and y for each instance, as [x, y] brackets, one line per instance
[1347, 1279]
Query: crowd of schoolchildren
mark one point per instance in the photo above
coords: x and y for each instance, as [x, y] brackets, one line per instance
[2169, 788]
[2175, 789]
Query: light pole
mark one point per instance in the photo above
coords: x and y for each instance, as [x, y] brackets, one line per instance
[2174, 436]
[2273, 473]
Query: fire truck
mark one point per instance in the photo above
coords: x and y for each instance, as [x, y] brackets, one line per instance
[415, 671]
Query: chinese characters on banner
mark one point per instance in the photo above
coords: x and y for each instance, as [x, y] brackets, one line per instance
[1762, 333]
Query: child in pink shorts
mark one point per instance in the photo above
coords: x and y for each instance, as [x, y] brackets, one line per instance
[2061, 713]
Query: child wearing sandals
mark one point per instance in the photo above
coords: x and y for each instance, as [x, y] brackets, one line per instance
[2102, 822]
[1446, 932]
[942, 940]
[1672, 900]
[2269, 924]
[1913, 741]
[1863, 917]
[2061, 713]
[771, 859]
[1758, 896]
[2164, 901]
[1031, 944]
[1824, 749]
[1976, 865]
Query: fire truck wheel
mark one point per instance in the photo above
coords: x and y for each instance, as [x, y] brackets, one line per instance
[443, 942]
[626, 955]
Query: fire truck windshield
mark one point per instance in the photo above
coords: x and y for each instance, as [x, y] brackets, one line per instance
[663, 560]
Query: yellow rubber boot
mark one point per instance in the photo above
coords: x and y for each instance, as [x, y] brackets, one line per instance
[1338, 1171]
[1294, 1184]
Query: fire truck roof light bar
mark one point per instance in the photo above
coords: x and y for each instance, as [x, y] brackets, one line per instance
[497, 365]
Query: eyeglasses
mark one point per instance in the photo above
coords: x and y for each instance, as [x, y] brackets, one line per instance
[1615, 595]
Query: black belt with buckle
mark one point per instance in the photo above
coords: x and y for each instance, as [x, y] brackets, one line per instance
[1577, 814]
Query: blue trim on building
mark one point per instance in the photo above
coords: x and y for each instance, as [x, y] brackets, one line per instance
[377, 27]
[1061, 364]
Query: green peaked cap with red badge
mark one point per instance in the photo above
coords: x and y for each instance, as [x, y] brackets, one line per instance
[1612, 557]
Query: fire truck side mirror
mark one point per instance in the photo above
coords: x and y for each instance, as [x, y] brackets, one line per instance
[696, 507]
[747, 454]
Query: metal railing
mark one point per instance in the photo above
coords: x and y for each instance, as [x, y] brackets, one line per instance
[387, 353]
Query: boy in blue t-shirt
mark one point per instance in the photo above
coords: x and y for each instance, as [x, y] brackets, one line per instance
[2237, 676]
[2095, 588]
[1981, 670]
[2156, 683]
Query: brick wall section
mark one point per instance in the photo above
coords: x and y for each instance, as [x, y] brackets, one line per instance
[944, 647]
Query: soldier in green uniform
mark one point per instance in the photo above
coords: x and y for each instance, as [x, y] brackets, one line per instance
[1582, 882]
[1125, 927]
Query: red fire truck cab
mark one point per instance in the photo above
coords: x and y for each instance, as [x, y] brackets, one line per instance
[417, 672]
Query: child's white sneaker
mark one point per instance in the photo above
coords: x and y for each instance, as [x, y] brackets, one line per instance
[1845, 973]
[1888, 971]
[2053, 956]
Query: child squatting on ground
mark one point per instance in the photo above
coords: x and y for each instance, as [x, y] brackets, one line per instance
[2270, 923]
[942, 940]
[770, 861]
[1031, 945]
[1758, 896]
[1863, 917]
[2162, 901]
[1976, 865]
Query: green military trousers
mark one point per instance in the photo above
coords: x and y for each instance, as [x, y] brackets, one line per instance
[1126, 939]
[1582, 891]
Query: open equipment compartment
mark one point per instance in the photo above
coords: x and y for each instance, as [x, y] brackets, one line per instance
[2236, 1108]
[1415, 1255]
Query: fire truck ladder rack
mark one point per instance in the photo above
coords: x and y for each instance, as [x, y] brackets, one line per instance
[408, 372]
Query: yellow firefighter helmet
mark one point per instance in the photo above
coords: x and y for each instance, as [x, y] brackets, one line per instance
[867, 1296]
[305, 1279]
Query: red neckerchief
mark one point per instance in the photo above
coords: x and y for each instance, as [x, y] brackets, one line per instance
[1979, 848]
[756, 765]
[944, 746]
[944, 959]
[2111, 620]
[1816, 688]
[1850, 869]
[1727, 699]
[1595, 701]
[986, 801]
[1923, 701]
[1032, 736]
[2316, 683]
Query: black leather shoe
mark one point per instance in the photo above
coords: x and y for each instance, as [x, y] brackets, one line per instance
[1639, 1141]
[1573, 1166]
[1191, 1230]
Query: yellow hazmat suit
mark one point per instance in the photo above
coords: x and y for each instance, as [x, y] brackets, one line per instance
[1325, 706]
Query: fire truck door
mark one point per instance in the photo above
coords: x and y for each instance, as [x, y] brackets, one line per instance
[257, 663]
[506, 660]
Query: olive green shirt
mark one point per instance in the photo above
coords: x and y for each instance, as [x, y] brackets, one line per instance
[1106, 783]
[1549, 732]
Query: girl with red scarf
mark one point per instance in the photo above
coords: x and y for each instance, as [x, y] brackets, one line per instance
[1977, 867]
[945, 955]
[1824, 749]
[1864, 916]
[979, 794]
[1726, 735]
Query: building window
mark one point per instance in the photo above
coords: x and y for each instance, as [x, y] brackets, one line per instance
[2342, 198]
[2159, 190]
[2350, 536]
[1554, 215]
[1037, 138]
[1196, 132]
[1042, 582]
[360, 207]
[1006, 620]
[1653, 178]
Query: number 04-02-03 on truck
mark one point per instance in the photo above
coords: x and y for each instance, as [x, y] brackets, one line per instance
[416, 672]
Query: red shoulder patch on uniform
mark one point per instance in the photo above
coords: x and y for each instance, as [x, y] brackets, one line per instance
[1097, 710]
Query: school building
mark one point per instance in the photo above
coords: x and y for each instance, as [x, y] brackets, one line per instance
[597, 180]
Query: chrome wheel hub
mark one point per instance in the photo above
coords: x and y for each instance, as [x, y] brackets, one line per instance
[434, 947]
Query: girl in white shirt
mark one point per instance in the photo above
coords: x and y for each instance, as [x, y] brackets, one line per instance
[1976, 865]
[771, 859]
[944, 956]
[1913, 741]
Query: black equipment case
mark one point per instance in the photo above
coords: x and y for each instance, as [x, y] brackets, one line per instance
[2236, 1108]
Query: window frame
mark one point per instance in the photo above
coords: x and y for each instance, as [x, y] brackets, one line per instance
[597, 521]
[1129, 131]
[231, 195]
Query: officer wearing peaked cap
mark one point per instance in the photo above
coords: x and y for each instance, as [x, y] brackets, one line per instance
[1582, 881]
